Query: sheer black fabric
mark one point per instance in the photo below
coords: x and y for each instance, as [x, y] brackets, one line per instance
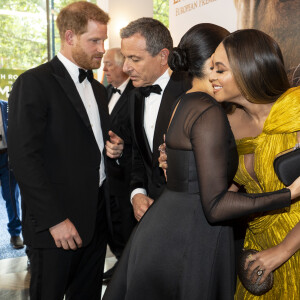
[200, 125]
[181, 249]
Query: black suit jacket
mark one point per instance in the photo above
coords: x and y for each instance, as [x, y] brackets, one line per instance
[53, 152]
[145, 167]
[119, 174]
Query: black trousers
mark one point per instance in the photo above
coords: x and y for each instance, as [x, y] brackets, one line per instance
[76, 274]
[123, 222]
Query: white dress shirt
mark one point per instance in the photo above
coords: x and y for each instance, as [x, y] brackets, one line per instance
[88, 99]
[152, 104]
[116, 96]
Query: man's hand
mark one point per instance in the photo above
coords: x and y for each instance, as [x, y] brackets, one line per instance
[140, 203]
[65, 235]
[114, 147]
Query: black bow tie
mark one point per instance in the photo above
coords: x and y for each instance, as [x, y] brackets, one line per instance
[85, 74]
[147, 90]
[115, 90]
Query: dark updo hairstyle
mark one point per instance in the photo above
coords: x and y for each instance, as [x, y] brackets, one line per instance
[257, 65]
[195, 47]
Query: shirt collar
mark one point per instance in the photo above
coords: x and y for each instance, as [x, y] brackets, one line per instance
[70, 66]
[122, 87]
[163, 80]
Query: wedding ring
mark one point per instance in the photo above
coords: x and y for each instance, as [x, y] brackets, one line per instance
[160, 165]
[260, 272]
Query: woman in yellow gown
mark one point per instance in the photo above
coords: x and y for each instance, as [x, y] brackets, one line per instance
[248, 70]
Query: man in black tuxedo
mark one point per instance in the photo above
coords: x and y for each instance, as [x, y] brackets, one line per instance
[146, 44]
[118, 90]
[58, 122]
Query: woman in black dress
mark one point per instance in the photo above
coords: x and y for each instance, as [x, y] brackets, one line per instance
[180, 250]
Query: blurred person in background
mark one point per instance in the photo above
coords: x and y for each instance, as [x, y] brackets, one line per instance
[9, 187]
[119, 170]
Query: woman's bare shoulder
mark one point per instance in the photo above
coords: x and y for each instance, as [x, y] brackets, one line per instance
[237, 122]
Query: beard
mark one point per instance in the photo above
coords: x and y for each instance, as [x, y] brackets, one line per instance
[85, 61]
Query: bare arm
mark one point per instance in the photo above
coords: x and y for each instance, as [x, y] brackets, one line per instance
[233, 188]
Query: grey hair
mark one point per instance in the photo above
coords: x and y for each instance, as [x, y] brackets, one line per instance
[156, 34]
[118, 56]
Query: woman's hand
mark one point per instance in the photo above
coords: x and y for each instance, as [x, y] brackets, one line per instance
[264, 262]
[295, 188]
[163, 158]
[233, 188]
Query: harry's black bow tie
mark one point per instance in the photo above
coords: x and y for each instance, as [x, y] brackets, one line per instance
[115, 90]
[147, 90]
[85, 74]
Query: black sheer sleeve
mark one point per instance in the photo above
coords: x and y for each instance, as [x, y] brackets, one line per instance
[207, 133]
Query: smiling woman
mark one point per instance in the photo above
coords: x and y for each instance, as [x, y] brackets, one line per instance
[248, 70]
[225, 88]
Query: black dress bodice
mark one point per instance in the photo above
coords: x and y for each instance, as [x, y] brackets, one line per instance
[202, 158]
[182, 175]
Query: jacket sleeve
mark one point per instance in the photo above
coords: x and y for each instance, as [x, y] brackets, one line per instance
[27, 124]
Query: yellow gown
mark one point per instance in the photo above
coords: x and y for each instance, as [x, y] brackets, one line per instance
[269, 229]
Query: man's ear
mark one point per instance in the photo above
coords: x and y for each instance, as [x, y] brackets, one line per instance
[69, 37]
[164, 54]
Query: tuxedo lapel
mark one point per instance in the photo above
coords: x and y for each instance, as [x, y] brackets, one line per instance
[101, 99]
[122, 100]
[118, 106]
[176, 86]
[141, 138]
[65, 81]
[109, 92]
[163, 118]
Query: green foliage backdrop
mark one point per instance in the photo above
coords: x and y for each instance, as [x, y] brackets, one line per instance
[23, 34]
[161, 11]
